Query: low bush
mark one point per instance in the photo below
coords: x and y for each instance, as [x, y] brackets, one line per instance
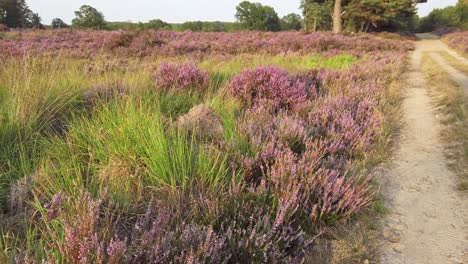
[269, 85]
[458, 41]
[3, 28]
[179, 78]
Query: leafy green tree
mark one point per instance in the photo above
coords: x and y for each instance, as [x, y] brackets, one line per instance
[58, 23]
[317, 14]
[291, 22]
[16, 14]
[2, 15]
[157, 24]
[89, 17]
[255, 16]
[195, 26]
[365, 15]
[215, 26]
[451, 16]
[360, 15]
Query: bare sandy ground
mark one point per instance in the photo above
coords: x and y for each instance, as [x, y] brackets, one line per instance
[428, 219]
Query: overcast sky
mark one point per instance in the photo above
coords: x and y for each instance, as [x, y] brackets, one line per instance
[173, 10]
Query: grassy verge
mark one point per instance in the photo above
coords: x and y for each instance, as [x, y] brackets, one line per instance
[460, 66]
[451, 100]
[92, 144]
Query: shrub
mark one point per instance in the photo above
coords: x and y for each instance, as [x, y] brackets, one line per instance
[3, 28]
[271, 84]
[181, 78]
[458, 41]
[118, 39]
[155, 239]
[103, 93]
[146, 40]
[254, 235]
[348, 127]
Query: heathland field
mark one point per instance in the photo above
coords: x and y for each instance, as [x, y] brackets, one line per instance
[192, 147]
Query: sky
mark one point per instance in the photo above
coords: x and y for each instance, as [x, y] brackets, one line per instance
[173, 11]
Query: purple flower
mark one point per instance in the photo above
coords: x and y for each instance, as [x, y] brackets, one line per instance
[181, 77]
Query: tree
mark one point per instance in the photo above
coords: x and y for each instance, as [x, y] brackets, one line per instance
[337, 26]
[157, 24]
[195, 26]
[364, 15]
[291, 22]
[58, 23]
[89, 17]
[317, 14]
[361, 15]
[34, 21]
[451, 16]
[2, 15]
[16, 14]
[255, 16]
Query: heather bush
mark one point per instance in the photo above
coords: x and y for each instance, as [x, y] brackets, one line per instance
[457, 41]
[348, 127]
[181, 78]
[3, 28]
[268, 85]
[167, 43]
[117, 39]
[245, 233]
[103, 93]
[254, 235]
[145, 41]
[155, 239]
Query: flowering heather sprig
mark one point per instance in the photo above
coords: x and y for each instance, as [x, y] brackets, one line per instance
[255, 237]
[303, 185]
[349, 127]
[81, 238]
[271, 84]
[181, 77]
[156, 240]
[116, 251]
[337, 196]
[54, 206]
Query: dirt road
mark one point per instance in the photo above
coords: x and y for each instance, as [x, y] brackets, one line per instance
[428, 219]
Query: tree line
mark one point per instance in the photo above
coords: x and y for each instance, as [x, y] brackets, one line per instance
[336, 15]
[360, 15]
[451, 16]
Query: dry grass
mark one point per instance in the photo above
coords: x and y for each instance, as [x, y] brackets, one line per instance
[349, 243]
[460, 66]
[450, 100]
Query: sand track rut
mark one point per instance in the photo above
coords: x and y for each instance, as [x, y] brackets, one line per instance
[428, 219]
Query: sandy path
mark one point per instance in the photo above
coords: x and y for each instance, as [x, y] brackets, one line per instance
[460, 78]
[428, 220]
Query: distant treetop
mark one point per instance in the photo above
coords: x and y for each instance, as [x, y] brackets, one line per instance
[255, 16]
[89, 17]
